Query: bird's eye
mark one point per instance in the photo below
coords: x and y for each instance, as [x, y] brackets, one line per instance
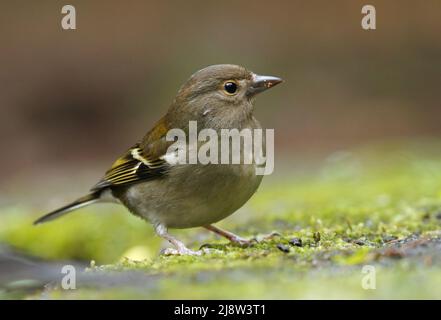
[230, 87]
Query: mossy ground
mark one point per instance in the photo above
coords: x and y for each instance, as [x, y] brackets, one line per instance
[376, 206]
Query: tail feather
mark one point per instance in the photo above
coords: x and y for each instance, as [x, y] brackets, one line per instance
[81, 202]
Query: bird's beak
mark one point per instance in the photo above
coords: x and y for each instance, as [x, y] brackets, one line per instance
[262, 83]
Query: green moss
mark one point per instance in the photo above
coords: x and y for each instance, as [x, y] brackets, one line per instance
[351, 210]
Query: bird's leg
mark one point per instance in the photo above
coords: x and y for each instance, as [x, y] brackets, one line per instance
[180, 248]
[239, 240]
[230, 236]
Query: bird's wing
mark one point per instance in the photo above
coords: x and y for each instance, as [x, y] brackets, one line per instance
[134, 166]
[143, 162]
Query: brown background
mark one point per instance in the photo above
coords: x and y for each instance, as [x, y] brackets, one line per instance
[71, 101]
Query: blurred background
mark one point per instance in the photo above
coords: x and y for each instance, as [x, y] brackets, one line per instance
[73, 100]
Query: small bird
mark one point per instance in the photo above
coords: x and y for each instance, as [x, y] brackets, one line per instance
[153, 186]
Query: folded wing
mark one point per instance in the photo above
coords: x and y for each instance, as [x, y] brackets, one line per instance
[133, 167]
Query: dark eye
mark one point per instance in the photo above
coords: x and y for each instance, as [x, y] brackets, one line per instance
[230, 87]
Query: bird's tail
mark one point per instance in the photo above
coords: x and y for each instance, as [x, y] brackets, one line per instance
[79, 203]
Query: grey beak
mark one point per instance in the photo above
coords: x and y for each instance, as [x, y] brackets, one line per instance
[262, 83]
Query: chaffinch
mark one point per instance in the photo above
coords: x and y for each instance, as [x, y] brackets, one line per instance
[153, 186]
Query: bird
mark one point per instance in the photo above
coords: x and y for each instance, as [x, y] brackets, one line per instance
[149, 182]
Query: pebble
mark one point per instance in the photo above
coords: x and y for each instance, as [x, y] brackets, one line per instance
[296, 242]
[283, 248]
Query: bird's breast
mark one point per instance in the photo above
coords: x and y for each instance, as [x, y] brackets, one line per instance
[193, 195]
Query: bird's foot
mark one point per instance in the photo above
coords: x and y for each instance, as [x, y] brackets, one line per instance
[181, 252]
[266, 237]
[242, 242]
[254, 240]
[239, 241]
[179, 247]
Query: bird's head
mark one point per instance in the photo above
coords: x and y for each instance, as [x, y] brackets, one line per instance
[220, 95]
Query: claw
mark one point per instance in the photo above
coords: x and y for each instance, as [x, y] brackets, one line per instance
[181, 252]
[188, 252]
[257, 239]
[243, 242]
[235, 239]
[270, 236]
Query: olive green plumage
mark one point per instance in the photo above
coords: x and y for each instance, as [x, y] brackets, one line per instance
[178, 195]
